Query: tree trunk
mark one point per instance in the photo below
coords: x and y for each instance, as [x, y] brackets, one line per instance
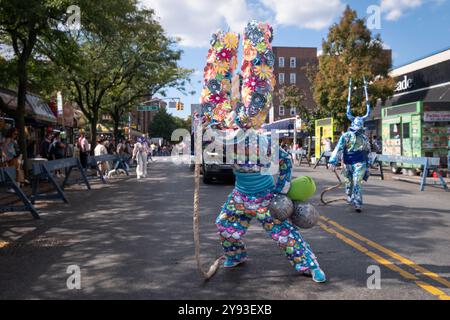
[21, 100]
[116, 130]
[94, 123]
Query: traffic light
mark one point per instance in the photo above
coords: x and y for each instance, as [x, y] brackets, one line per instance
[179, 106]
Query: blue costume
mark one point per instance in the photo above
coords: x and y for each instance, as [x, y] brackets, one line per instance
[355, 148]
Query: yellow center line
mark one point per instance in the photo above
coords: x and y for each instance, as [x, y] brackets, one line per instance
[391, 253]
[405, 274]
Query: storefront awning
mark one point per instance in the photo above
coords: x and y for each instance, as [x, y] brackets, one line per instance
[35, 107]
[284, 124]
[284, 127]
[439, 93]
[41, 109]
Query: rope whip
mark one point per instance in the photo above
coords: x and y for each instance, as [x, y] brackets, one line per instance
[330, 189]
[215, 266]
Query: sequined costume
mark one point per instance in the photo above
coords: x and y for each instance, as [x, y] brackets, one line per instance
[355, 148]
[250, 199]
[242, 103]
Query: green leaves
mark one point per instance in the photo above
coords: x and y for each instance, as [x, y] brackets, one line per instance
[350, 50]
[164, 124]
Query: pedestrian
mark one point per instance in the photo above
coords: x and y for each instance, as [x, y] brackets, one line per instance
[56, 148]
[57, 151]
[111, 146]
[377, 144]
[124, 157]
[140, 155]
[85, 149]
[100, 150]
[13, 156]
[45, 146]
[153, 149]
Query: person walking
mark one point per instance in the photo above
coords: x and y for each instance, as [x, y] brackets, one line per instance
[56, 151]
[12, 155]
[140, 155]
[45, 147]
[100, 150]
[124, 156]
[85, 148]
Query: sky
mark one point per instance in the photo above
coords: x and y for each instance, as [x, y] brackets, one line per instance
[411, 28]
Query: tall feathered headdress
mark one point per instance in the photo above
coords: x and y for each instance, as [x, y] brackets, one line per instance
[239, 101]
[357, 122]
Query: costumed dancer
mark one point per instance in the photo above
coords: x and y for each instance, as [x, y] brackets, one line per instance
[140, 155]
[253, 190]
[355, 148]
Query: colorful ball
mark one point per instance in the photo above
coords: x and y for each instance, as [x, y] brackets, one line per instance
[281, 207]
[302, 188]
[305, 216]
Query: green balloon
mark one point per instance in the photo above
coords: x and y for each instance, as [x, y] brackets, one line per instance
[302, 188]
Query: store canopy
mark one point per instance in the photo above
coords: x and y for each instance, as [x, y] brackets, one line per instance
[284, 125]
[103, 129]
[434, 94]
[41, 109]
[35, 107]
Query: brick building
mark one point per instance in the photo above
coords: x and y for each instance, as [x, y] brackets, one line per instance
[290, 69]
[140, 120]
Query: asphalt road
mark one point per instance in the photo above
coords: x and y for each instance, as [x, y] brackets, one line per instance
[133, 240]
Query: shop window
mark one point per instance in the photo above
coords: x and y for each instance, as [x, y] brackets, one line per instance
[394, 131]
[406, 131]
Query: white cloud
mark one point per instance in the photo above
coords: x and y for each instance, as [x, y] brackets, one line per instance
[395, 9]
[193, 21]
[316, 14]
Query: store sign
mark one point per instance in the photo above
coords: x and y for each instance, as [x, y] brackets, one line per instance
[405, 84]
[424, 78]
[436, 116]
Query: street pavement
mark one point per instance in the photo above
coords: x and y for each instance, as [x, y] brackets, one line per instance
[133, 240]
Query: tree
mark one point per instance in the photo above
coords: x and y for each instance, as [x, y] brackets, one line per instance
[164, 124]
[36, 30]
[22, 24]
[350, 51]
[115, 70]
